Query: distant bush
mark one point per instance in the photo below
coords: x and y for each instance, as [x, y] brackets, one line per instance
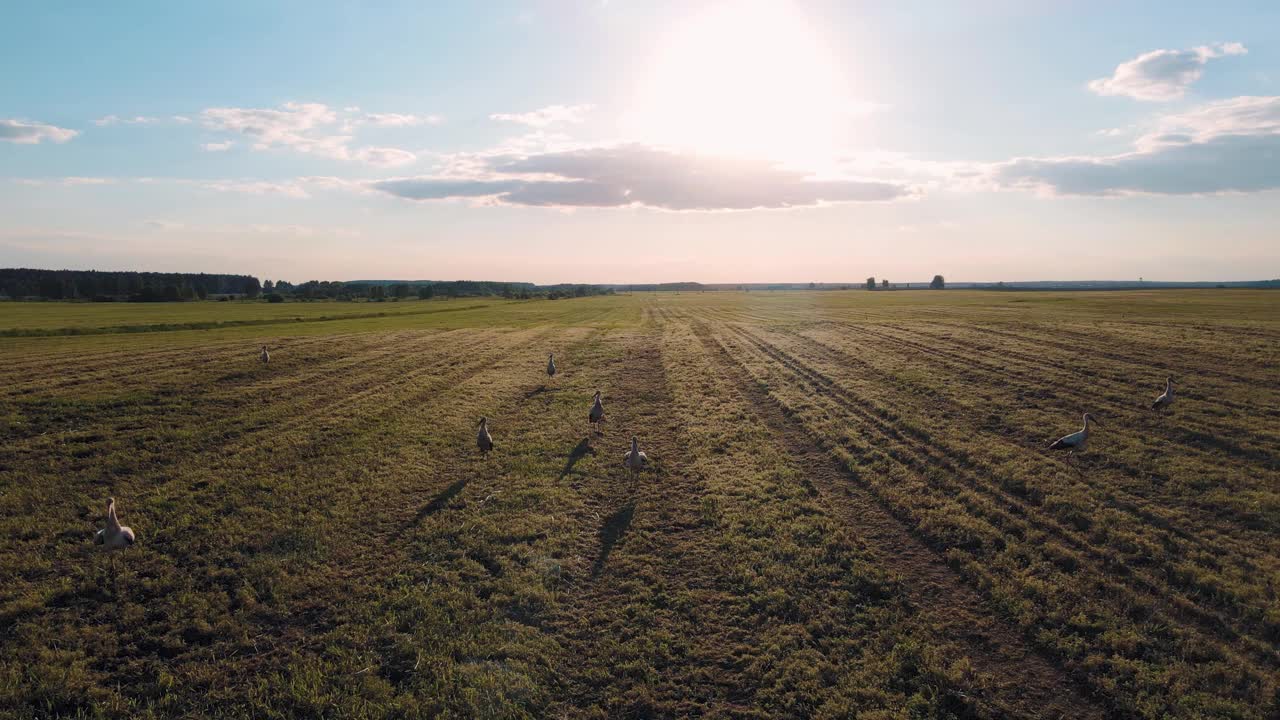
[275, 298]
[938, 283]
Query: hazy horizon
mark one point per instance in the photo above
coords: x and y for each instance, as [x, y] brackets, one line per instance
[610, 142]
[826, 285]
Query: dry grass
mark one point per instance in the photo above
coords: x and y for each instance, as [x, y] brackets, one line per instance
[850, 510]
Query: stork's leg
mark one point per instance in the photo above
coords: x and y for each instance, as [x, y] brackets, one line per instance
[1071, 460]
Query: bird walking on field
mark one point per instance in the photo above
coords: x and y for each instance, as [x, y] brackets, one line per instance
[635, 459]
[551, 365]
[266, 356]
[596, 416]
[1165, 399]
[114, 536]
[484, 440]
[1074, 441]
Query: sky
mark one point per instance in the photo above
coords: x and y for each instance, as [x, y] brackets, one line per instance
[616, 141]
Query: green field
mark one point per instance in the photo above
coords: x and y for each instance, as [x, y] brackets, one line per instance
[850, 510]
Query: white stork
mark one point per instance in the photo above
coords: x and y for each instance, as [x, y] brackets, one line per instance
[484, 440]
[635, 459]
[551, 365]
[1077, 439]
[114, 536]
[1074, 441]
[596, 416]
[266, 356]
[1166, 398]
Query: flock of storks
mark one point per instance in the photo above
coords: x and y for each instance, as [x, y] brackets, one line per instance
[634, 460]
[117, 537]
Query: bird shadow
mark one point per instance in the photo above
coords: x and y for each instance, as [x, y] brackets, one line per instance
[540, 390]
[581, 450]
[438, 502]
[611, 531]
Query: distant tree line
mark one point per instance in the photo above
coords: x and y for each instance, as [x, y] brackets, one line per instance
[380, 290]
[102, 286]
[662, 287]
[106, 286]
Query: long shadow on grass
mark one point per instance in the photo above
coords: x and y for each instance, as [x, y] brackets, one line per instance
[580, 451]
[541, 389]
[611, 531]
[438, 502]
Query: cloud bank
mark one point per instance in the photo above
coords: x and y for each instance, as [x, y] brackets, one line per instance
[1226, 146]
[24, 132]
[1162, 75]
[642, 176]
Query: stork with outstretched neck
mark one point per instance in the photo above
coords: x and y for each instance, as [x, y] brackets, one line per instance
[1075, 441]
[114, 536]
[1166, 399]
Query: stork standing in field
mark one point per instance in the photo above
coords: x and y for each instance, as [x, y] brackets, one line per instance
[484, 440]
[1166, 399]
[114, 536]
[635, 459]
[266, 356]
[1074, 441]
[551, 365]
[596, 416]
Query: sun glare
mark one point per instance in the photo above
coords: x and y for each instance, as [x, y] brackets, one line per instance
[747, 79]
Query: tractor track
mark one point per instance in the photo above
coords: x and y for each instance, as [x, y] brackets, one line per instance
[934, 588]
[920, 454]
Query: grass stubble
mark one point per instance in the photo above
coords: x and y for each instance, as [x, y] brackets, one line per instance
[849, 511]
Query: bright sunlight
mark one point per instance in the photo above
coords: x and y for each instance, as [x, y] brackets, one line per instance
[744, 79]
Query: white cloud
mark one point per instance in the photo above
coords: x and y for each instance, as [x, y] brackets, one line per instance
[547, 116]
[1225, 146]
[639, 175]
[294, 125]
[218, 146]
[253, 228]
[108, 120]
[385, 156]
[255, 187]
[88, 181]
[311, 128]
[67, 181]
[25, 132]
[1162, 75]
[401, 120]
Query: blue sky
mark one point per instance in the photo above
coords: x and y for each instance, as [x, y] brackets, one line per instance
[616, 141]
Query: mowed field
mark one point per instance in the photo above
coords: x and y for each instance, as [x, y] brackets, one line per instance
[849, 510]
